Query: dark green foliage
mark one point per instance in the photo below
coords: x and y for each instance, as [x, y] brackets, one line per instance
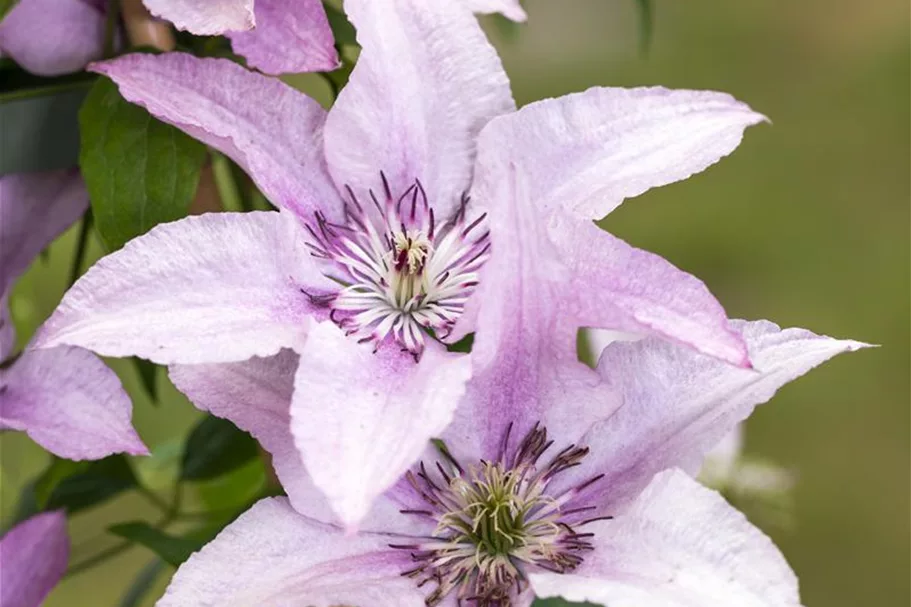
[139, 171]
[216, 447]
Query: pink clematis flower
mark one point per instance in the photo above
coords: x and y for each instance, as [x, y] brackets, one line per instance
[33, 557]
[412, 212]
[51, 37]
[65, 399]
[568, 498]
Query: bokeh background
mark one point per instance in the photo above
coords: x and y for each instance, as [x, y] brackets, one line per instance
[806, 224]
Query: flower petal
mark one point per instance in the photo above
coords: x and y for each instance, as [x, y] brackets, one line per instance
[524, 363]
[34, 556]
[290, 36]
[219, 287]
[361, 419]
[544, 281]
[426, 81]
[53, 37]
[205, 17]
[677, 405]
[612, 285]
[678, 545]
[69, 402]
[268, 128]
[256, 395]
[35, 208]
[272, 556]
[7, 330]
[589, 151]
[511, 9]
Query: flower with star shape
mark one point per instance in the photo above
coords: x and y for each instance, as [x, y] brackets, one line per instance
[417, 209]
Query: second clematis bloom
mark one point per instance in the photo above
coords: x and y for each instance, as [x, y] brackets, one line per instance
[65, 399]
[574, 489]
[406, 222]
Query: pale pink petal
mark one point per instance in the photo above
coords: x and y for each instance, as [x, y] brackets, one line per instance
[35, 208]
[677, 404]
[268, 128]
[425, 84]
[219, 287]
[545, 281]
[612, 285]
[511, 9]
[33, 555]
[524, 363]
[256, 395]
[678, 545]
[591, 278]
[7, 330]
[588, 151]
[290, 36]
[721, 461]
[69, 402]
[273, 557]
[53, 37]
[205, 17]
[361, 419]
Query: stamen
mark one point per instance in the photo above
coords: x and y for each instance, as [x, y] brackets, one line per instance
[495, 522]
[403, 274]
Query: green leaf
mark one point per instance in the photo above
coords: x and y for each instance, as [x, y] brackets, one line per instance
[646, 25]
[139, 171]
[6, 6]
[96, 483]
[142, 583]
[59, 470]
[160, 470]
[342, 29]
[509, 30]
[148, 372]
[232, 490]
[172, 550]
[26, 506]
[216, 447]
[339, 78]
[463, 345]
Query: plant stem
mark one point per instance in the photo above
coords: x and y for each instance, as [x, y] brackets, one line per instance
[170, 514]
[157, 501]
[99, 558]
[84, 229]
[110, 28]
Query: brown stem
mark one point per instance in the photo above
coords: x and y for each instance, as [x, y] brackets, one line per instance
[145, 30]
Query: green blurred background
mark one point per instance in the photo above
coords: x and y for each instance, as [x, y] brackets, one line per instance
[806, 224]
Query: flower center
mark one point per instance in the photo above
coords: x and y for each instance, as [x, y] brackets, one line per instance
[495, 521]
[403, 274]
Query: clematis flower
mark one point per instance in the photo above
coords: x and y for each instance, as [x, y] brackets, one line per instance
[725, 468]
[51, 37]
[398, 206]
[570, 498]
[33, 554]
[65, 399]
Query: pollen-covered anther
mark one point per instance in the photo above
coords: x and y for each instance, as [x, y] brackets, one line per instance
[403, 274]
[495, 522]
